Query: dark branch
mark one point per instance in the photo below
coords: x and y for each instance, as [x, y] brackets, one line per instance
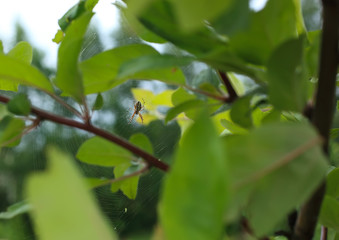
[308, 216]
[323, 233]
[225, 79]
[325, 98]
[323, 111]
[43, 115]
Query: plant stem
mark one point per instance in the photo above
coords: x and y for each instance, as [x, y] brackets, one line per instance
[136, 173]
[323, 111]
[325, 97]
[208, 94]
[29, 128]
[225, 79]
[323, 233]
[86, 114]
[63, 103]
[43, 115]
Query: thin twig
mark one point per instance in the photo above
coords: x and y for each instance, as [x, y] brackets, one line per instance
[323, 233]
[51, 94]
[208, 94]
[63, 103]
[114, 180]
[86, 115]
[29, 128]
[43, 115]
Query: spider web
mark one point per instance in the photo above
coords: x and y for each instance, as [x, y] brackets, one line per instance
[127, 217]
[140, 213]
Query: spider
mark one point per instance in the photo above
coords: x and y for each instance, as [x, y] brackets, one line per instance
[137, 108]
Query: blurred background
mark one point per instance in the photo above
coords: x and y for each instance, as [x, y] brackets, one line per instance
[36, 22]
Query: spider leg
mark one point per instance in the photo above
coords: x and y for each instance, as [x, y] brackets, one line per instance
[142, 119]
[131, 118]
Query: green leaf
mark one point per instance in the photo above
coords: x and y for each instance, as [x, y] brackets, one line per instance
[163, 98]
[184, 101]
[334, 133]
[274, 172]
[269, 27]
[73, 13]
[98, 151]
[226, 60]
[312, 53]
[301, 28]
[90, 4]
[235, 18]
[153, 66]
[3, 111]
[204, 10]
[100, 73]
[128, 186]
[241, 112]
[271, 117]
[233, 128]
[1, 47]
[118, 172]
[195, 193]
[19, 105]
[22, 51]
[205, 43]
[237, 84]
[95, 182]
[10, 130]
[332, 187]
[184, 106]
[14, 71]
[329, 214]
[180, 96]
[142, 141]
[223, 108]
[99, 102]
[287, 79]
[131, 15]
[137, 7]
[68, 77]
[206, 76]
[159, 18]
[70, 201]
[59, 36]
[15, 210]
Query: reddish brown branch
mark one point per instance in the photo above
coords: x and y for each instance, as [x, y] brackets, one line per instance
[227, 82]
[323, 111]
[43, 115]
[323, 233]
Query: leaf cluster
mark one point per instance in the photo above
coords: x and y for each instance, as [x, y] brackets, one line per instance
[247, 157]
